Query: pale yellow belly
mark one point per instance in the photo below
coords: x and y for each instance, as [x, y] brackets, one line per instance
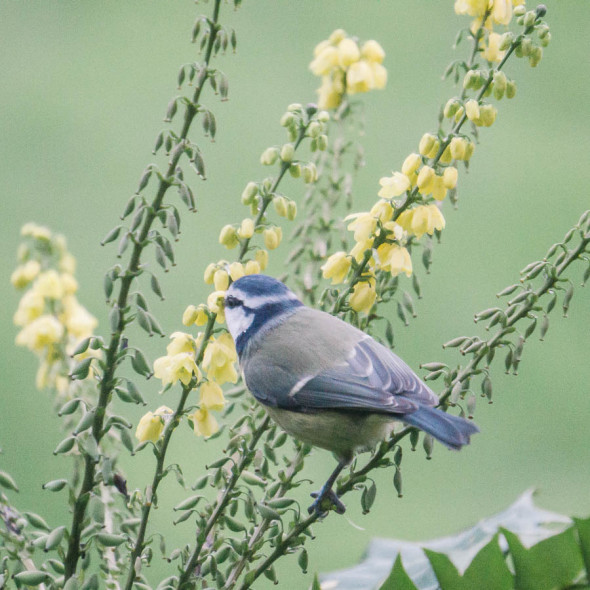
[342, 433]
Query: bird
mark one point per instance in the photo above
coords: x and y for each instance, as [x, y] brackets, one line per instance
[325, 382]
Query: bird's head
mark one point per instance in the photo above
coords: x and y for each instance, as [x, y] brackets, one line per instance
[254, 302]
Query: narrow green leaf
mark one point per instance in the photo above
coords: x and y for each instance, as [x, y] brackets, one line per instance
[7, 482]
[583, 528]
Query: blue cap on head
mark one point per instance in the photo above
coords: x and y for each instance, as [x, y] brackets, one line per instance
[260, 285]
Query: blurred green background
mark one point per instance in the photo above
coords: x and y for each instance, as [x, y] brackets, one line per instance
[84, 89]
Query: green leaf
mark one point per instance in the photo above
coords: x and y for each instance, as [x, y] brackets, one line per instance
[32, 578]
[316, 583]
[398, 579]
[552, 563]
[583, 528]
[487, 571]
[7, 482]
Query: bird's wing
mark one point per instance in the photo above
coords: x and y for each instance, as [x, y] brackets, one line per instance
[371, 378]
[316, 361]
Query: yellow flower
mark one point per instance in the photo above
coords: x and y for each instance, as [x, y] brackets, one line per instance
[363, 225]
[329, 97]
[395, 259]
[379, 76]
[79, 322]
[450, 176]
[272, 237]
[348, 52]
[252, 267]
[67, 263]
[426, 219]
[179, 367]
[358, 252]
[471, 7]
[393, 186]
[195, 315]
[24, 274]
[151, 425]
[404, 220]
[221, 280]
[30, 307]
[215, 305]
[336, 267]
[41, 333]
[236, 271]
[181, 342]
[359, 77]
[372, 51]
[439, 190]
[458, 147]
[246, 228]
[50, 285]
[472, 109]
[363, 296]
[492, 49]
[502, 11]
[488, 114]
[427, 144]
[38, 232]
[211, 396]
[382, 210]
[219, 358]
[411, 164]
[325, 60]
[204, 423]
[228, 236]
[261, 257]
[425, 180]
[209, 273]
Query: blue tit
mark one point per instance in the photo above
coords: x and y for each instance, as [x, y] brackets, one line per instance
[324, 381]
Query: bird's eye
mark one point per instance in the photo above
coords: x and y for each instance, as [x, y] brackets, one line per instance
[231, 301]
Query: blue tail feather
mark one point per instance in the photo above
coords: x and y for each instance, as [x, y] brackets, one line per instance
[451, 431]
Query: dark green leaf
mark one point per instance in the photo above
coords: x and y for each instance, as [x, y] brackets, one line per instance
[398, 579]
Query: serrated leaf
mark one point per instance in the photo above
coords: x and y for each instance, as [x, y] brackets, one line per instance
[552, 563]
[398, 579]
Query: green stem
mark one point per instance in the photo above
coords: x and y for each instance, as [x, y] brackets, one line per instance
[107, 383]
[244, 462]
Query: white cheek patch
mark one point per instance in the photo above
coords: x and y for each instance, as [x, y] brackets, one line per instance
[238, 320]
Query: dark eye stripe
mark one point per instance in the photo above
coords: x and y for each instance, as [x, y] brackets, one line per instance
[231, 301]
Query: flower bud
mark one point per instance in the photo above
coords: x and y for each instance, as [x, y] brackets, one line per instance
[236, 270]
[472, 109]
[506, 41]
[287, 120]
[451, 107]
[372, 51]
[535, 56]
[526, 46]
[228, 236]
[310, 173]
[291, 210]
[323, 116]
[221, 280]
[488, 114]
[446, 157]
[450, 176]
[209, 273]
[314, 129]
[425, 179]
[468, 151]
[246, 228]
[546, 40]
[322, 142]
[249, 193]
[261, 257]
[426, 144]
[457, 147]
[459, 114]
[287, 152]
[252, 267]
[500, 82]
[348, 52]
[269, 156]
[294, 107]
[280, 205]
[411, 164]
[519, 10]
[529, 18]
[337, 36]
[295, 170]
[511, 89]
[272, 237]
[190, 315]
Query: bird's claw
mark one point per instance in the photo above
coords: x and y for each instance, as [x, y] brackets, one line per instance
[324, 497]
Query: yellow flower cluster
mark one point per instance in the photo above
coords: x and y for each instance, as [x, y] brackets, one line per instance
[346, 68]
[384, 232]
[499, 12]
[51, 319]
[179, 365]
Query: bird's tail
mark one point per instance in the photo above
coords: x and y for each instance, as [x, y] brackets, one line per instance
[451, 431]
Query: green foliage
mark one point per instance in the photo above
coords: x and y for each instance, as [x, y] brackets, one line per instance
[491, 556]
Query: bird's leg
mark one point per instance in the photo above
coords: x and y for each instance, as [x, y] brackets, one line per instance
[327, 493]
